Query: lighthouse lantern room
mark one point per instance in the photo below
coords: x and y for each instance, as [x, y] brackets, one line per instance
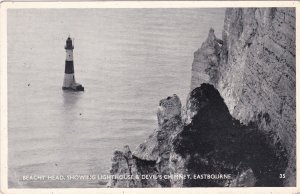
[69, 78]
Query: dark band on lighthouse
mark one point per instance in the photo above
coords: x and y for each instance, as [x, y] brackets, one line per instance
[69, 67]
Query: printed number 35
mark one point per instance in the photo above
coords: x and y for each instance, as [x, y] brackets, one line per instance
[282, 176]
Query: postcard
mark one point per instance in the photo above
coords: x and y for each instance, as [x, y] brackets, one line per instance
[172, 96]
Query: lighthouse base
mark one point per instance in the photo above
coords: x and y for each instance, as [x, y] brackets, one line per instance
[75, 88]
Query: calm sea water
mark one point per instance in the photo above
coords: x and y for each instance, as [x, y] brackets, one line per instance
[127, 60]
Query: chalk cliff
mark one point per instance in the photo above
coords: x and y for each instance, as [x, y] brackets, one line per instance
[253, 68]
[239, 118]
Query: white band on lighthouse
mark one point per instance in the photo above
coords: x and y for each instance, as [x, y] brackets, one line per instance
[69, 55]
[69, 80]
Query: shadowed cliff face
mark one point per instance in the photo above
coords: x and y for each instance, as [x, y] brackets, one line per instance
[214, 143]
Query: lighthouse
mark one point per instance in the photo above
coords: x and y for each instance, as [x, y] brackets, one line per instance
[69, 79]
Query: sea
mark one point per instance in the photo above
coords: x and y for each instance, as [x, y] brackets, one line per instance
[127, 60]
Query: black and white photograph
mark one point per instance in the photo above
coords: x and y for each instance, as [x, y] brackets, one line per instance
[160, 97]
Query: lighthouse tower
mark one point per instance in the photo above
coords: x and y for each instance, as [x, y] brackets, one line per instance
[69, 79]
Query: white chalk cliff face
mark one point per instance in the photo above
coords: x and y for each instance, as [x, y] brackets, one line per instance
[253, 68]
